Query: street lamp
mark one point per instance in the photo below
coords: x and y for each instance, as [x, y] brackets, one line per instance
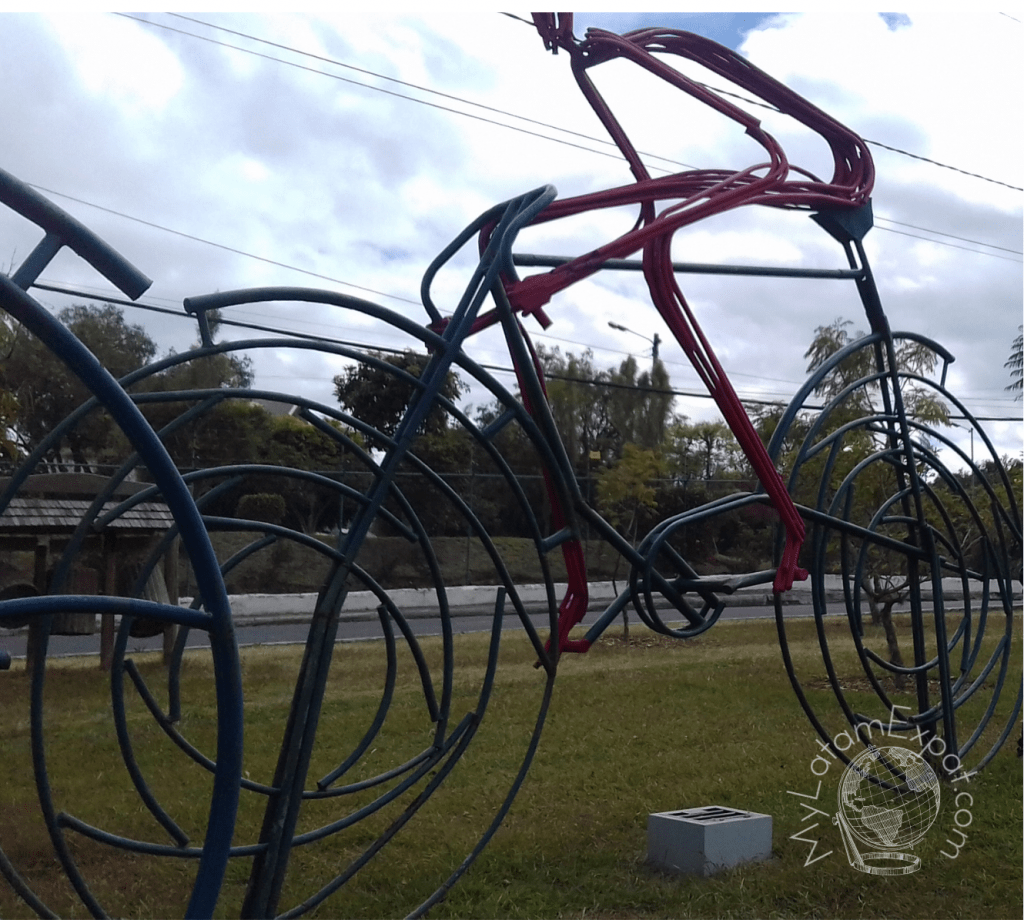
[655, 342]
[971, 430]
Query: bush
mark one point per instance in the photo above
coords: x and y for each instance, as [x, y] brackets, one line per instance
[267, 507]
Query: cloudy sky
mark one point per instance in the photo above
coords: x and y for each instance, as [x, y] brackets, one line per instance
[225, 151]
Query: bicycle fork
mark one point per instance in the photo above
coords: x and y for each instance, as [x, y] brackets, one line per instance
[849, 228]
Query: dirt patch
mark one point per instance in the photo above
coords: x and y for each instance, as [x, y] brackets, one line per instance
[646, 640]
[863, 685]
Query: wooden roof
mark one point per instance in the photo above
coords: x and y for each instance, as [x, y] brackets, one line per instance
[79, 485]
[63, 515]
[56, 503]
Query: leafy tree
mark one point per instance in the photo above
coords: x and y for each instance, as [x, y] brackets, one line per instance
[46, 391]
[8, 419]
[229, 433]
[261, 506]
[702, 450]
[239, 431]
[196, 371]
[296, 444]
[1015, 364]
[639, 404]
[497, 507]
[579, 405]
[379, 397]
[209, 372]
[235, 431]
[911, 356]
[121, 347]
[627, 490]
[886, 575]
[8, 401]
[597, 412]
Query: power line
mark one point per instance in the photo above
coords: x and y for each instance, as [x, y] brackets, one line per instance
[683, 367]
[952, 236]
[396, 297]
[964, 172]
[377, 89]
[493, 109]
[899, 150]
[423, 89]
[412, 99]
[306, 336]
[953, 245]
[231, 249]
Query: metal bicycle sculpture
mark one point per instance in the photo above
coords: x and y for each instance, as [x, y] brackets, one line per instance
[960, 660]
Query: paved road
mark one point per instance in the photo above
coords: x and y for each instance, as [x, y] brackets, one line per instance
[356, 628]
[283, 619]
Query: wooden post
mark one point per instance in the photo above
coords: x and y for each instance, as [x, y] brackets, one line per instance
[171, 582]
[108, 587]
[42, 550]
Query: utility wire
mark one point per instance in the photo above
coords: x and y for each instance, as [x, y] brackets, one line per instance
[415, 86]
[380, 293]
[953, 245]
[952, 236]
[377, 89]
[899, 150]
[306, 336]
[772, 108]
[495, 110]
[445, 108]
[239, 252]
[964, 172]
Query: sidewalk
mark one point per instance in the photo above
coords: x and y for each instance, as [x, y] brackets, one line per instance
[476, 600]
[257, 609]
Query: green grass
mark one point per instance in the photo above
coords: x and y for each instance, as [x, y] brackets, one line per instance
[655, 726]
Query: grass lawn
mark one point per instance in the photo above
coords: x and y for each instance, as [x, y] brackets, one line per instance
[633, 729]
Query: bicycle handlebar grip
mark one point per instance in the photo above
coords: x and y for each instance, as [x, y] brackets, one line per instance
[59, 224]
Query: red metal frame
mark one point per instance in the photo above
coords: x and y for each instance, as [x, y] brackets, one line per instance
[690, 196]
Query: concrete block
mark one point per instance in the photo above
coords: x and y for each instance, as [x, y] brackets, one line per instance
[702, 841]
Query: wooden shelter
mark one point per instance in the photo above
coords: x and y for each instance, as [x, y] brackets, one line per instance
[38, 525]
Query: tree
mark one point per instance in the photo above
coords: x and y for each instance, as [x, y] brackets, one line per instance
[639, 405]
[379, 397]
[376, 392]
[702, 450]
[1015, 364]
[886, 576]
[498, 508]
[912, 356]
[296, 444]
[261, 506]
[627, 490]
[8, 419]
[579, 405]
[8, 401]
[46, 391]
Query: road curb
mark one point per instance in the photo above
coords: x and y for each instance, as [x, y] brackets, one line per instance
[468, 600]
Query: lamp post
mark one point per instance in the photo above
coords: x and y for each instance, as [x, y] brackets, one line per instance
[970, 430]
[655, 342]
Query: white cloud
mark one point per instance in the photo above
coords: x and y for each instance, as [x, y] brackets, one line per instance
[362, 185]
[144, 75]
